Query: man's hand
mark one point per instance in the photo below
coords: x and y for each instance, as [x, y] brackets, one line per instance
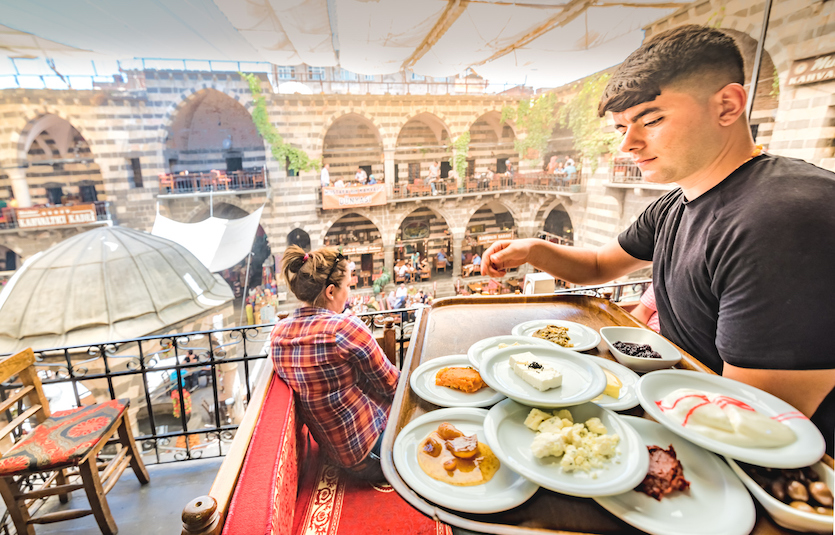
[503, 255]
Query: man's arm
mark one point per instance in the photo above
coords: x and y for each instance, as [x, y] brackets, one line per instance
[577, 265]
[803, 389]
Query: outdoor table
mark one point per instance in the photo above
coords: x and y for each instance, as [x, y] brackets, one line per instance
[450, 326]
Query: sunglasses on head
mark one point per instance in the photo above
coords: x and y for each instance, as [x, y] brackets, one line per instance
[339, 258]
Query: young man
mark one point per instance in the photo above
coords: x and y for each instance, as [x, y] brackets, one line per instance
[743, 252]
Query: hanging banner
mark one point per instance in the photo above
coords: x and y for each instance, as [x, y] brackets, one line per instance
[362, 249]
[490, 238]
[352, 197]
[58, 216]
[811, 70]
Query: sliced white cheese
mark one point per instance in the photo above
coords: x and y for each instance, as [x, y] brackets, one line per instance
[537, 374]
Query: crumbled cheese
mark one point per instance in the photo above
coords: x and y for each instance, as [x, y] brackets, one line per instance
[583, 446]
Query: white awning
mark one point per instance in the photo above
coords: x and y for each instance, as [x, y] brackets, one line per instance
[543, 42]
[217, 243]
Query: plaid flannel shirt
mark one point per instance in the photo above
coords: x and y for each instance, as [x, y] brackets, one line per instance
[342, 380]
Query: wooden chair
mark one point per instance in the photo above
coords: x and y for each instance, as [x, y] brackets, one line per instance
[440, 265]
[65, 445]
[472, 185]
[425, 273]
[398, 278]
[166, 183]
[258, 180]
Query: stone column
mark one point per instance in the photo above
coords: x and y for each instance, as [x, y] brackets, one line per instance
[456, 255]
[390, 172]
[20, 188]
[388, 258]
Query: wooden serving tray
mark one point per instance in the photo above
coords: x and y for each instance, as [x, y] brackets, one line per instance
[450, 327]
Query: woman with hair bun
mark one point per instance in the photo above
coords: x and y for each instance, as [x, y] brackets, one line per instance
[342, 380]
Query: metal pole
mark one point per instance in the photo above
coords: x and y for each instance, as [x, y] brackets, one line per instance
[755, 75]
[246, 288]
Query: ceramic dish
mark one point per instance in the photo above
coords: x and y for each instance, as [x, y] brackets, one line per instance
[504, 491]
[782, 513]
[670, 356]
[510, 440]
[805, 451]
[583, 338]
[628, 395]
[486, 347]
[713, 488]
[422, 382]
[582, 378]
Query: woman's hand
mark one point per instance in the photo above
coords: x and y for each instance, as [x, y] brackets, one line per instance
[503, 255]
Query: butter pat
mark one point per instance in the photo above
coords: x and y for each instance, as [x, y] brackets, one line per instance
[613, 385]
[537, 374]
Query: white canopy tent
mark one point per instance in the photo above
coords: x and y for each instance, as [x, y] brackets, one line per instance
[217, 243]
[540, 42]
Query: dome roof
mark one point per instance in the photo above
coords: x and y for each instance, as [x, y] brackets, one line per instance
[109, 283]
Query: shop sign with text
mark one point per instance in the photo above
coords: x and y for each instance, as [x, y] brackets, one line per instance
[811, 70]
[490, 238]
[353, 197]
[362, 249]
[58, 216]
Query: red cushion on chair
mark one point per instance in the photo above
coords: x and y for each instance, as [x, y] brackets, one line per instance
[63, 439]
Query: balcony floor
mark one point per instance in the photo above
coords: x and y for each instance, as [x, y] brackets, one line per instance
[152, 509]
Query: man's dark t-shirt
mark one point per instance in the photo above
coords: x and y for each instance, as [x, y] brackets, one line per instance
[745, 273]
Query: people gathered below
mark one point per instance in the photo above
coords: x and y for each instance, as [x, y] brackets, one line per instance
[342, 381]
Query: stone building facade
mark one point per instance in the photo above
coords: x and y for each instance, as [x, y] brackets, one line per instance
[117, 142]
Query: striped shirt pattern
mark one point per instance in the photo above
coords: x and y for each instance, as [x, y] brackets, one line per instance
[342, 380]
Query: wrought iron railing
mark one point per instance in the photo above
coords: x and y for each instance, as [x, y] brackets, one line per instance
[186, 183]
[475, 184]
[625, 170]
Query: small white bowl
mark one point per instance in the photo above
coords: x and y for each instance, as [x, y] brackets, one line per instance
[669, 354]
[784, 514]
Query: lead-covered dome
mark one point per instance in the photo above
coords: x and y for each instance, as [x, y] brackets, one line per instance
[110, 283]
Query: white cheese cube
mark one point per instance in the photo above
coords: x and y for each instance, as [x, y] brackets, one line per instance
[535, 418]
[540, 376]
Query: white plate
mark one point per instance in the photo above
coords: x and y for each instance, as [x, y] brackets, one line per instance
[716, 501]
[628, 394]
[484, 348]
[504, 491]
[422, 381]
[582, 378]
[583, 338]
[511, 440]
[805, 451]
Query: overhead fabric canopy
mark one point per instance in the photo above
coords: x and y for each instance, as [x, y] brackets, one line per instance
[109, 283]
[217, 243]
[540, 42]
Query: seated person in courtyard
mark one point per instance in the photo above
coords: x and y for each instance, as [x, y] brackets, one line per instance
[341, 379]
[477, 260]
[741, 287]
[400, 296]
[403, 271]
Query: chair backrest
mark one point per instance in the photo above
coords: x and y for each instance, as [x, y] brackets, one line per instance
[21, 365]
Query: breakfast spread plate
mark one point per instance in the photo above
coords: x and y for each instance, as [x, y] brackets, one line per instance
[580, 337]
[713, 489]
[511, 439]
[627, 396]
[504, 491]
[486, 347]
[731, 418]
[581, 378]
[422, 382]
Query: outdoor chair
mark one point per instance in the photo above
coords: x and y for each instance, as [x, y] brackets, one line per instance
[426, 273]
[440, 265]
[63, 448]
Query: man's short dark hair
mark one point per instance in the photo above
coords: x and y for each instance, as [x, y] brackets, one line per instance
[670, 57]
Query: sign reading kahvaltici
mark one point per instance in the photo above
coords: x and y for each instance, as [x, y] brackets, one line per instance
[490, 238]
[811, 70]
[362, 249]
[57, 216]
[353, 196]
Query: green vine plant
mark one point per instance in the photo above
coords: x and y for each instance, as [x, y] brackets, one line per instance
[460, 151]
[716, 18]
[775, 84]
[535, 117]
[297, 159]
[592, 137]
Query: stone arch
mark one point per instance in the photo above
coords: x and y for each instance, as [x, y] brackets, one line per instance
[353, 140]
[327, 225]
[493, 113]
[545, 217]
[468, 215]
[299, 237]
[223, 210]
[36, 122]
[423, 113]
[440, 212]
[189, 95]
[370, 121]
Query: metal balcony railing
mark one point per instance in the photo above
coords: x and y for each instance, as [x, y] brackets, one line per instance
[187, 183]
[624, 170]
[500, 182]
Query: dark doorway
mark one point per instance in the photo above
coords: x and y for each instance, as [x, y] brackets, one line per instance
[234, 163]
[54, 194]
[501, 167]
[445, 169]
[11, 261]
[367, 169]
[88, 193]
[367, 262]
[300, 238]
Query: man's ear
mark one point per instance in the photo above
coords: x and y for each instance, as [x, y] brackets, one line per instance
[731, 100]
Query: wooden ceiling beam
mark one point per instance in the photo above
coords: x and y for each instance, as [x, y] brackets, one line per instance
[453, 10]
[571, 10]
